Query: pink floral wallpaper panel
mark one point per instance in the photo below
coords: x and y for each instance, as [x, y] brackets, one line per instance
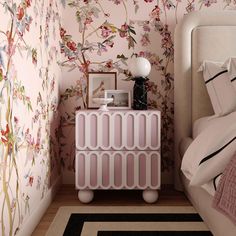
[29, 97]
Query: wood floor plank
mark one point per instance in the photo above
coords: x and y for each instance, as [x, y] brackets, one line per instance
[68, 196]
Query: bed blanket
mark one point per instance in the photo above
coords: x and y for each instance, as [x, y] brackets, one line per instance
[225, 196]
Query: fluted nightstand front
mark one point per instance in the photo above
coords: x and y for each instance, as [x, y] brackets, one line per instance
[118, 150]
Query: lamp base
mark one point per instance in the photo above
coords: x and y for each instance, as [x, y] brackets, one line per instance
[140, 94]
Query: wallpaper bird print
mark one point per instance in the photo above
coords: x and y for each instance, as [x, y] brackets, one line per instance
[104, 36]
[28, 106]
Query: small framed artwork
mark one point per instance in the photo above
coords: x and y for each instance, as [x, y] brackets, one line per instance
[98, 82]
[121, 99]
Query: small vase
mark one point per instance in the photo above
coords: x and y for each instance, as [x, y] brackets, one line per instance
[140, 94]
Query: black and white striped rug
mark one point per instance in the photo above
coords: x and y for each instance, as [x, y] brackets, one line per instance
[128, 221]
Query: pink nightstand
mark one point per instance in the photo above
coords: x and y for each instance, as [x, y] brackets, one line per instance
[118, 150]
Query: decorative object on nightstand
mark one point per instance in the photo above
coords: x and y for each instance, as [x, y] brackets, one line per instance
[118, 150]
[121, 99]
[140, 69]
[97, 83]
[103, 103]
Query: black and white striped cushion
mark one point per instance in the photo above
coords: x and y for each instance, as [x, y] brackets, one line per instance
[220, 89]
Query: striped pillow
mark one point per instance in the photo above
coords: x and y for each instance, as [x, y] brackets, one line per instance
[230, 65]
[220, 90]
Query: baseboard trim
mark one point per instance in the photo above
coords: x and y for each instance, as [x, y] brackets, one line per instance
[28, 227]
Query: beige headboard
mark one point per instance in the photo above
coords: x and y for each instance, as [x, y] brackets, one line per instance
[199, 36]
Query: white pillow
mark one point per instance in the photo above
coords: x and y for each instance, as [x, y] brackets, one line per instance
[220, 90]
[202, 123]
[230, 65]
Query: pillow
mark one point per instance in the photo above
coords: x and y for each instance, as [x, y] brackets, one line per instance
[230, 65]
[221, 92]
[201, 124]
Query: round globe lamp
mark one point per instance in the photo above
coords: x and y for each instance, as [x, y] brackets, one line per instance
[140, 68]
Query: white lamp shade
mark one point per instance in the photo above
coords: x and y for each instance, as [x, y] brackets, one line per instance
[140, 67]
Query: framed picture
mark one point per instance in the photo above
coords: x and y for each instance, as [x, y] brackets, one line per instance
[121, 99]
[98, 82]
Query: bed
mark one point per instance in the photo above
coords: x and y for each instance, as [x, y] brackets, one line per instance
[199, 36]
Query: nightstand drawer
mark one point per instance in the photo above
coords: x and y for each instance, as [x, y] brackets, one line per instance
[117, 170]
[118, 130]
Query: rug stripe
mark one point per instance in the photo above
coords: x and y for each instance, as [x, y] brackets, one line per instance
[154, 233]
[76, 221]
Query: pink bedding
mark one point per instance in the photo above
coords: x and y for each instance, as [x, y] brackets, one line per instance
[225, 196]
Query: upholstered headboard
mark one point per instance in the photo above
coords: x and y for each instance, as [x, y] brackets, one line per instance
[199, 36]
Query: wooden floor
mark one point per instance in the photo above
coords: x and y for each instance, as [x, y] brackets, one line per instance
[67, 196]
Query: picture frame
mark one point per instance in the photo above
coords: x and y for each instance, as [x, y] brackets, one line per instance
[97, 83]
[122, 99]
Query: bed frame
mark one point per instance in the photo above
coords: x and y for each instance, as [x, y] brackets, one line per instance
[203, 35]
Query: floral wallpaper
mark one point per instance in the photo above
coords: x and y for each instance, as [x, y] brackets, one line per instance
[45, 55]
[29, 97]
[103, 35]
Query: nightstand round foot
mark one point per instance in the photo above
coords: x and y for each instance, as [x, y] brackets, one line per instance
[85, 196]
[150, 196]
